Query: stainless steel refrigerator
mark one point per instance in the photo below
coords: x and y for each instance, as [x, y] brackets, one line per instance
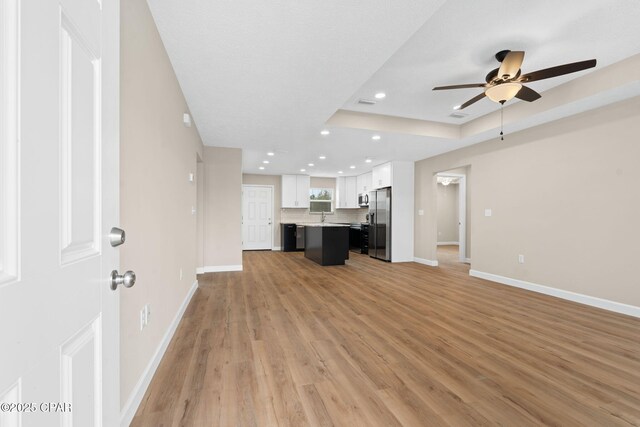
[380, 224]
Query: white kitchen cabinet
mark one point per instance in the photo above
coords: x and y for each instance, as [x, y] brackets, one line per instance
[295, 191]
[303, 185]
[341, 192]
[363, 184]
[347, 197]
[381, 176]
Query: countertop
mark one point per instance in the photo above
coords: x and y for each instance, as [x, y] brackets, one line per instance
[318, 224]
[324, 224]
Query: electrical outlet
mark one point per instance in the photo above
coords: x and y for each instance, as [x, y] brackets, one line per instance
[521, 259]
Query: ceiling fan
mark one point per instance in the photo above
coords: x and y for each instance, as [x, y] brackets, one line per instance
[506, 82]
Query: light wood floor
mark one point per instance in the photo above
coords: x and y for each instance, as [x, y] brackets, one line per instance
[289, 343]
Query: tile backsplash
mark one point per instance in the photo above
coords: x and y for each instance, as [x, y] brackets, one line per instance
[339, 215]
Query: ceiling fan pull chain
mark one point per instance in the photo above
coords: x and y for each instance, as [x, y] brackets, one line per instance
[502, 121]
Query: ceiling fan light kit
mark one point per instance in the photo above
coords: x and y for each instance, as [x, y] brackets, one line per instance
[503, 92]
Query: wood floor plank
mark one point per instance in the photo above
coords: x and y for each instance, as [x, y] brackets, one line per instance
[287, 342]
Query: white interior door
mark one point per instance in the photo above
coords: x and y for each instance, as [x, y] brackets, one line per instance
[257, 215]
[59, 188]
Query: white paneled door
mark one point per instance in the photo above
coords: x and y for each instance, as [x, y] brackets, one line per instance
[257, 217]
[59, 199]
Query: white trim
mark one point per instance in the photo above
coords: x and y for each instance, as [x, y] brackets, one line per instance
[10, 56]
[426, 262]
[130, 408]
[277, 248]
[273, 213]
[218, 268]
[448, 243]
[617, 307]
[467, 260]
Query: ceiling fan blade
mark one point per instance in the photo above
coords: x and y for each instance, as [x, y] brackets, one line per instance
[472, 101]
[527, 94]
[511, 64]
[466, 86]
[557, 71]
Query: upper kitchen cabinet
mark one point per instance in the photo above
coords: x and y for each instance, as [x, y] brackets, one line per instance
[347, 192]
[363, 183]
[295, 191]
[381, 176]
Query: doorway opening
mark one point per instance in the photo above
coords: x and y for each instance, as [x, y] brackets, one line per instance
[452, 232]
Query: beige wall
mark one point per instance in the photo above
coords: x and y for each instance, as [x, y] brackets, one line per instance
[447, 215]
[222, 213]
[276, 182]
[563, 194]
[157, 153]
[320, 182]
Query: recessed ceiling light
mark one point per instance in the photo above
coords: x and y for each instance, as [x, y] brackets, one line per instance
[376, 137]
[457, 107]
[380, 95]
[325, 132]
[303, 170]
[352, 167]
[266, 162]
[322, 157]
[368, 161]
[311, 164]
[339, 171]
[261, 168]
[271, 153]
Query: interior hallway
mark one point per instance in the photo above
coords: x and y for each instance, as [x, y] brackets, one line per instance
[287, 342]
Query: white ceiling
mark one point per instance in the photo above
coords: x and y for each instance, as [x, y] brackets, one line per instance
[266, 76]
[458, 44]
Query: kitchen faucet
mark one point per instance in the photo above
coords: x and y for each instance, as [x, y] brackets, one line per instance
[323, 216]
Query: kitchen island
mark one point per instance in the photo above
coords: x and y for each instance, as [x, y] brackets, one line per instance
[327, 243]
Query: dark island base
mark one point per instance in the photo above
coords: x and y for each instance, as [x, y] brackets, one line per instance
[327, 245]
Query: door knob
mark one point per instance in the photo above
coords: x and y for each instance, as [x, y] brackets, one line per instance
[127, 279]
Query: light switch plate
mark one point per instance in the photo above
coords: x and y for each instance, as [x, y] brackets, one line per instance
[487, 212]
[420, 212]
[186, 119]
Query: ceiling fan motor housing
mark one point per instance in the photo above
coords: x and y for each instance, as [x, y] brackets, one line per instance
[502, 54]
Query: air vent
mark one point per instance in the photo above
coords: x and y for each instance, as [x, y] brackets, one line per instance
[366, 101]
[458, 115]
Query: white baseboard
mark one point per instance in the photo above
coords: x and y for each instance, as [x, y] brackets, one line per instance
[448, 243]
[277, 248]
[618, 307]
[218, 268]
[130, 408]
[467, 260]
[426, 262]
